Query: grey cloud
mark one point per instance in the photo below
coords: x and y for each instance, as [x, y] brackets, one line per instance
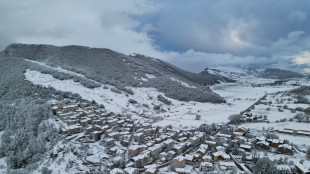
[238, 27]
[190, 34]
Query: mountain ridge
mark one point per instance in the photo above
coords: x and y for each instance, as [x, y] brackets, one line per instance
[237, 71]
[276, 73]
[113, 68]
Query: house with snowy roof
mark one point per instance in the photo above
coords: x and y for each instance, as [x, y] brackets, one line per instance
[206, 167]
[263, 145]
[179, 162]
[285, 149]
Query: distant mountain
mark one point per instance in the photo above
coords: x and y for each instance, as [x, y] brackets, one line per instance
[109, 67]
[232, 71]
[274, 73]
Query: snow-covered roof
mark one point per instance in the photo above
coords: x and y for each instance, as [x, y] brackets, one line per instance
[206, 157]
[221, 153]
[171, 152]
[263, 142]
[287, 146]
[201, 150]
[117, 171]
[302, 167]
[223, 135]
[227, 163]
[218, 148]
[206, 164]
[134, 147]
[155, 147]
[245, 146]
[211, 142]
[180, 158]
[205, 146]
[189, 157]
[182, 170]
[238, 133]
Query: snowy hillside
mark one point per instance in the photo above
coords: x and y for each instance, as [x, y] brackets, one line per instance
[233, 71]
[121, 71]
[273, 73]
[178, 113]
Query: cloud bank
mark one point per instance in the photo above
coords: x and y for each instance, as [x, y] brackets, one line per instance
[190, 34]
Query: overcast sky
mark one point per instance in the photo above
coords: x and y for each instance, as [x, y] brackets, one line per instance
[190, 34]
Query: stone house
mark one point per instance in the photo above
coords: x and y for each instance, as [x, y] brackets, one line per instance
[179, 162]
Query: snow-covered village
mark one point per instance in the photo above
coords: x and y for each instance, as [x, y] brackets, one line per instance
[130, 146]
[154, 87]
[271, 130]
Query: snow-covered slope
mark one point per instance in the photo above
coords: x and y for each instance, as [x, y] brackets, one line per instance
[179, 113]
[274, 73]
[244, 73]
[121, 71]
[240, 73]
[232, 71]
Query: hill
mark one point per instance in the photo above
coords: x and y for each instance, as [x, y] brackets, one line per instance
[109, 67]
[273, 73]
[235, 72]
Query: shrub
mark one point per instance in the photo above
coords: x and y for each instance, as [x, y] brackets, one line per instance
[127, 90]
[308, 153]
[164, 100]
[115, 91]
[299, 116]
[156, 107]
[90, 84]
[198, 117]
[132, 101]
[299, 109]
[303, 90]
[302, 99]
[307, 110]
[45, 170]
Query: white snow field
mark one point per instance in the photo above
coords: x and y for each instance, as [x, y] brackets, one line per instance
[180, 114]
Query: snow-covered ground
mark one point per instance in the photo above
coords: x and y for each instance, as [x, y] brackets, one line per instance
[182, 83]
[238, 98]
[273, 114]
[296, 157]
[298, 140]
[69, 162]
[59, 69]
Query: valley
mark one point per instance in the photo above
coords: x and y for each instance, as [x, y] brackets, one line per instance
[181, 116]
[150, 126]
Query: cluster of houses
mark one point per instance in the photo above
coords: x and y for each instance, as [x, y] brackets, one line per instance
[263, 143]
[86, 123]
[248, 117]
[162, 145]
[147, 148]
[277, 144]
[183, 149]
